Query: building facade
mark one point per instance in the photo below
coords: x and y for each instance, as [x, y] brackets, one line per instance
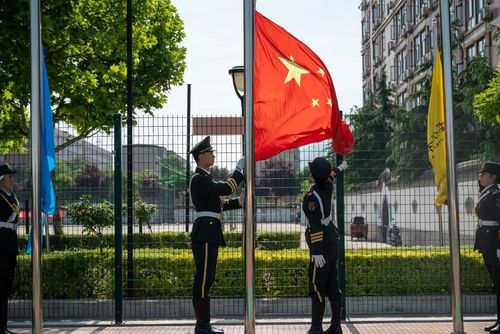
[398, 36]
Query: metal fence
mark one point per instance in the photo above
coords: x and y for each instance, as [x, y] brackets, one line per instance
[382, 276]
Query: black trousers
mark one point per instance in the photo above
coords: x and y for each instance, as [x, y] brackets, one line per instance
[7, 271]
[324, 281]
[492, 263]
[205, 258]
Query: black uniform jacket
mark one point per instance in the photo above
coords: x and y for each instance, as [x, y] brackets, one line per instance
[205, 194]
[488, 208]
[315, 211]
[8, 237]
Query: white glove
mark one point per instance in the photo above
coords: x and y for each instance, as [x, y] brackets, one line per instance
[342, 166]
[319, 260]
[240, 165]
[241, 198]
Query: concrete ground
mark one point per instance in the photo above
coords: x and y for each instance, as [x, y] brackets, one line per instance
[428, 325]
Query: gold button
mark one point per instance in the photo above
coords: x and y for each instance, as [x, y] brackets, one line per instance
[211, 223]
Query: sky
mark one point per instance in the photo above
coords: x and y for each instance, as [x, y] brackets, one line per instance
[214, 42]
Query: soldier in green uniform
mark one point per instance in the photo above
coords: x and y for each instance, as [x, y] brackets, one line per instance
[488, 233]
[322, 239]
[9, 213]
[206, 235]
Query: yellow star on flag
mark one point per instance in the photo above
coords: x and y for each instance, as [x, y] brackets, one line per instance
[315, 103]
[320, 71]
[329, 102]
[294, 70]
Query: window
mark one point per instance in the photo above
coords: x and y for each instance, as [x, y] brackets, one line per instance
[471, 52]
[399, 67]
[470, 17]
[481, 48]
[418, 100]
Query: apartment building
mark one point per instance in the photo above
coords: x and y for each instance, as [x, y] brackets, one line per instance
[398, 36]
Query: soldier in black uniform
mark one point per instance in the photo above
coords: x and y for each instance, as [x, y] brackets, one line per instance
[206, 235]
[488, 232]
[9, 213]
[322, 239]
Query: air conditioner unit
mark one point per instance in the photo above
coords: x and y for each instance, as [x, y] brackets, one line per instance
[404, 75]
[391, 45]
[425, 11]
[486, 14]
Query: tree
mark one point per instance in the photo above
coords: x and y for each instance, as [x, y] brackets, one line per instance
[85, 55]
[92, 180]
[472, 137]
[372, 125]
[277, 178]
[219, 174]
[487, 103]
[173, 172]
[408, 142]
[93, 217]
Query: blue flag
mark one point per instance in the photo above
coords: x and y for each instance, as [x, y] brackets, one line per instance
[47, 153]
[47, 150]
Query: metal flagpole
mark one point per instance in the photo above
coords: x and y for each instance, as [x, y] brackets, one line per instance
[36, 94]
[249, 26]
[456, 296]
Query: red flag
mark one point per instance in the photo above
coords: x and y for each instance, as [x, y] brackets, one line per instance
[294, 98]
[344, 140]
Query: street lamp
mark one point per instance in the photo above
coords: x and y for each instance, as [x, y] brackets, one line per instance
[238, 75]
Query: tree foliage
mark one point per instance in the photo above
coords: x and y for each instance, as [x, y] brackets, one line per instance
[408, 141]
[372, 124]
[473, 138]
[93, 217]
[277, 178]
[487, 103]
[85, 55]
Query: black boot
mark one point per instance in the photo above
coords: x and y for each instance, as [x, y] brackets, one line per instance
[4, 303]
[495, 328]
[202, 311]
[318, 309]
[335, 327]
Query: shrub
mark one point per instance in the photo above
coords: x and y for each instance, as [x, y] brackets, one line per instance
[174, 240]
[169, 273]
[94, 217]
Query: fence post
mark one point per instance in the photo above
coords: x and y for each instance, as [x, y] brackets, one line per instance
[341, 228]
[27, 217]
[118, 220]
[188, 158]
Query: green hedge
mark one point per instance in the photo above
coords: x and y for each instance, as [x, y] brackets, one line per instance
[176, 240]
[169, 273]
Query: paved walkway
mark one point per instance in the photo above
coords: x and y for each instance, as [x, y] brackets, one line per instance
[269, 326]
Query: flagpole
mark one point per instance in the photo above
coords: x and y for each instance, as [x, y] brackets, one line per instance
[249, 28]
[36, 93]
[456, 296]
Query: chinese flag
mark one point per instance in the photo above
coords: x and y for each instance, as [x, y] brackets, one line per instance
[294, 97]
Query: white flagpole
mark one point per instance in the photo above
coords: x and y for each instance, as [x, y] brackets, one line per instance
[36, 102]
[456, 288]
[249, 42]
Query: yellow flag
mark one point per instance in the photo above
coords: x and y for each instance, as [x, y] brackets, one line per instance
[436, 140]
